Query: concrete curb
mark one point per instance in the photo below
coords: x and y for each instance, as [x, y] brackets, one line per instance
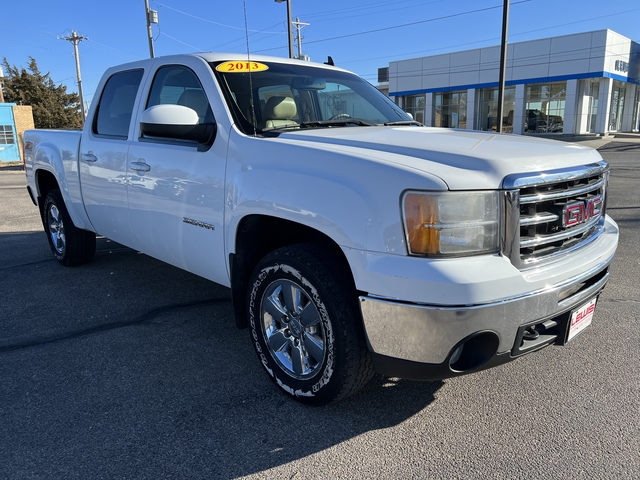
[11, 167]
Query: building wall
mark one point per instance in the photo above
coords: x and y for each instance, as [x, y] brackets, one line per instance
[9, 151]
[23, 116]
[19, 118]
[602, 54]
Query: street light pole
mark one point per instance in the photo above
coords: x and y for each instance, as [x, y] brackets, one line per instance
[503, 63]
[288, 26]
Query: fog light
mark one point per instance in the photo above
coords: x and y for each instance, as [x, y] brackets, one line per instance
[474, 351]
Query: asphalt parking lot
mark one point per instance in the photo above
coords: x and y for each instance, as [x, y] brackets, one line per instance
[129, 368]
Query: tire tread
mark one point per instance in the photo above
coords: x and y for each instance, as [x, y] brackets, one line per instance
[332, 275]
[80, 244]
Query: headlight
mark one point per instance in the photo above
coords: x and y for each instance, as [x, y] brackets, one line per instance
[451, 223]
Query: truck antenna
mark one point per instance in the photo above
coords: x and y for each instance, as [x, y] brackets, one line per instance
[254, 120]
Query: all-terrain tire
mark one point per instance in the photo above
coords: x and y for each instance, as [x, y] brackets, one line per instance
[306, 326]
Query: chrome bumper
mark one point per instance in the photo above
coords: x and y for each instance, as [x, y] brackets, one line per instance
[430, 334]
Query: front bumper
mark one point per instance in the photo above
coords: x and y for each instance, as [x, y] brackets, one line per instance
[423, 342]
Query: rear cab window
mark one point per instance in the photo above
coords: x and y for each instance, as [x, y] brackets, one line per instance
[115, 107]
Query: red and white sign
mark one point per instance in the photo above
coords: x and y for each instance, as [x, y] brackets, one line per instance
[581, 318]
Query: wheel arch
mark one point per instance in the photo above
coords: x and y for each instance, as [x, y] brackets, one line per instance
[45, 182]
[256, 236]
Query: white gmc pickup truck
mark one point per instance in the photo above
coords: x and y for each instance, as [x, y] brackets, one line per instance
[353, 238]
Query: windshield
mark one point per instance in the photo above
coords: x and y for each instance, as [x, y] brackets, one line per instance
[287, 97]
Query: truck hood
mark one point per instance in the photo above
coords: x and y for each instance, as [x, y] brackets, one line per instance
[462, 159]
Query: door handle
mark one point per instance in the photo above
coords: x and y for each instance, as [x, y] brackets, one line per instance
[140, 166]
[89, 157]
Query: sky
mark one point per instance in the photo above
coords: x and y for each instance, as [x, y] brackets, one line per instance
[360, 35]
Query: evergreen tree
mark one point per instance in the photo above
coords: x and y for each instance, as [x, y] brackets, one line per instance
[52, 106]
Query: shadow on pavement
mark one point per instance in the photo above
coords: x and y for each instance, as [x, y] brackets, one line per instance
[128, 367]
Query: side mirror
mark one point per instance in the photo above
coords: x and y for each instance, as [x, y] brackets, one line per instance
[176, 122]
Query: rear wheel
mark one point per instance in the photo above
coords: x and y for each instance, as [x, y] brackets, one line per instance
[69, 244]
[306, 326]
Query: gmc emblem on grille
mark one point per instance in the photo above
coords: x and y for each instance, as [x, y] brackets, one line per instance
[581, 212]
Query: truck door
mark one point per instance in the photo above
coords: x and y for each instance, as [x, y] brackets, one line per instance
[103, 158]
[176, 200]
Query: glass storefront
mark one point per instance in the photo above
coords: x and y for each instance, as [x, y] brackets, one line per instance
[451, 110]
[488, 118]
[543, 106]
[590, 91]
[414, 105]
[635, 126]
[544, 111]
[617, 106]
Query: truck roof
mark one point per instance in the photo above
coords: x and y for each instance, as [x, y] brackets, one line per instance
[217, 56]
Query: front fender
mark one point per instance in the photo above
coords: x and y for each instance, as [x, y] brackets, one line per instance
[351, 195]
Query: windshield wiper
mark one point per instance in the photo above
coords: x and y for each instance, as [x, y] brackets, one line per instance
[403, 122]
[338, 122]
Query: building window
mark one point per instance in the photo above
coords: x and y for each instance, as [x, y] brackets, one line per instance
[617, 106]
[383, 75]
[451, 110]
[592, 109]
[634, 125]
[414, 105]
[588, 93]
[6, 135]
[545, 108]
[488, 118]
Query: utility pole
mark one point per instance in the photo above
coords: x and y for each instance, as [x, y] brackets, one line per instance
[75, 39]
[503, 63]
[152, 17]
[299, 37]
[288, 25]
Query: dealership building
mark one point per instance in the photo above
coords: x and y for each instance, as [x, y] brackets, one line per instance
[586, 83]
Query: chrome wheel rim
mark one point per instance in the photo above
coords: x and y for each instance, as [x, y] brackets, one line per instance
[293, 329]
[56, 229]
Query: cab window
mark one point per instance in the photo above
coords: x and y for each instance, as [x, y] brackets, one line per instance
[116, 104]
[178, 85]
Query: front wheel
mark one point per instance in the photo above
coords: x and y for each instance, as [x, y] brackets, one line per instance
[69, 244]
[305, 325]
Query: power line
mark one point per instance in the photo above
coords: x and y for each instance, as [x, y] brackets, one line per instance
[415, 23]
[449, 47]
[211, 21]
[180, 41]
[368, 9]
[111, 50]
[243, 39]
[444, 17]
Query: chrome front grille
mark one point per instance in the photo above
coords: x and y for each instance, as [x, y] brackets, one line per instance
[549, 214]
